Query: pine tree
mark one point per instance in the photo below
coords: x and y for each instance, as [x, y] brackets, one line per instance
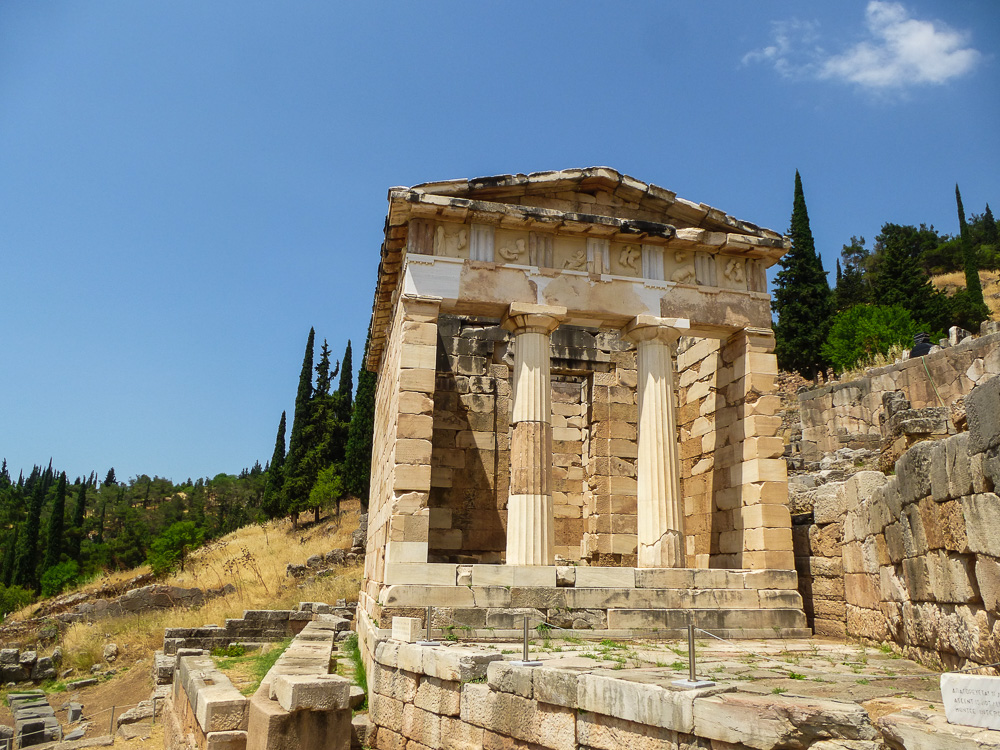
[973, 286]
[295, 490]
[852, 288]
[275, 473]
[358, 458]
[110, 478]
[899, 279]
[57, 521]
[802, 297]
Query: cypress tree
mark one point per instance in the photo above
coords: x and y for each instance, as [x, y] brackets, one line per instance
[802, 297]
[346, 386]
[990, 233]
[10, 557]
[57, 521]
[972, 283]
[358, 458]
[75, 537]
[110, 478]
[275, 473]
[26, 564]
[295, 491]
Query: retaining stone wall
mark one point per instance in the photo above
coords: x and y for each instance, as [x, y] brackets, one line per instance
[919, 551]
[847, 414]
[255, 626]
[430, 698]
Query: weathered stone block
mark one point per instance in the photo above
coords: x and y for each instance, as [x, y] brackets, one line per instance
[982, 523]
[322, 692]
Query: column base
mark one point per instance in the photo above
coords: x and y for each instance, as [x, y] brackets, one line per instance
[665, 552]
[531, 533]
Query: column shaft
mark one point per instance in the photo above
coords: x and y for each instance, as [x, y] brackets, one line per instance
[660, 508]
[530, 521]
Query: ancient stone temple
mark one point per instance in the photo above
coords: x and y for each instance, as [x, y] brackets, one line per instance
[572, 414]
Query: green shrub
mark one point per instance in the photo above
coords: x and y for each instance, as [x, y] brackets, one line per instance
[861, 332]
[59, 577]
[12, 598]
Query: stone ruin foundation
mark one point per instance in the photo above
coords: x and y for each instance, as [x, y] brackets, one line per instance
[572, 414]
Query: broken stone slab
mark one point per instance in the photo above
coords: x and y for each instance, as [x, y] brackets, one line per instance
[77, 684]
[325, 692]
[133, 731]
[74, 712]
[762, 721]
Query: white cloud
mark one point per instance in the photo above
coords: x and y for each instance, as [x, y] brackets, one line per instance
[899, 51]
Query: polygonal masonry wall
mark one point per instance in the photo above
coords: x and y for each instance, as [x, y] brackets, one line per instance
[531, 335]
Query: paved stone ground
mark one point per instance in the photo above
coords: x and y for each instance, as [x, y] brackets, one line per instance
[806, 667]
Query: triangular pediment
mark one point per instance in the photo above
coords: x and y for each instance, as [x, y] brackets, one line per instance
[599, 191]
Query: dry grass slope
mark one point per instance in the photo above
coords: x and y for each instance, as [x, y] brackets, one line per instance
[952, 282]
[253, 559]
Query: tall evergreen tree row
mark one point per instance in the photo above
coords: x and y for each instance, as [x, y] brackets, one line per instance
[322, 465]
[895, 274]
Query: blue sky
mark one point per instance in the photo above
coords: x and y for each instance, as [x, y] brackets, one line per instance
[187, 187]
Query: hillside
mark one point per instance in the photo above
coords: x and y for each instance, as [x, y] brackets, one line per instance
[952, 282]
[248, 565]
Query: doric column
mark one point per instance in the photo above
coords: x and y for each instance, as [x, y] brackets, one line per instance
[530, 526]
[660, 509]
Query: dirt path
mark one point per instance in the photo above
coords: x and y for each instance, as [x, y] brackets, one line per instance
[129, 686]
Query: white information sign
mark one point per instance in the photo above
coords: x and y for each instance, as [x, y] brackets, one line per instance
[972, 700]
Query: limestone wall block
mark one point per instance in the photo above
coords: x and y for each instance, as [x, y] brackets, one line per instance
[770, 579]
[825, 541]
[952, 577]
[982, 523]
[411, 477]
[958, 465]
[504, 677]
[641, 703]
[770, 599]
[913, 469]
[421, 380]
[421, 726]
[895, 547]
[421, 574]
[766, 516]
[412, 402]
[459, 735]
[988, 581]
[917, 578]
[385, 711]
[767, 539]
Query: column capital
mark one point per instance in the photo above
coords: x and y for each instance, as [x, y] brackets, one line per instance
[523, 317]
[653, 328]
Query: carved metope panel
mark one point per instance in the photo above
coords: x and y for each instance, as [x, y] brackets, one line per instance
[734, 273]
[512, 250]
[652, 262]
[481, 244]
[421, 237]
[598, 255]
[683, 272]
[540, 249]
[756, 276]
[706, 272]
[630, 259]
[453, 243]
